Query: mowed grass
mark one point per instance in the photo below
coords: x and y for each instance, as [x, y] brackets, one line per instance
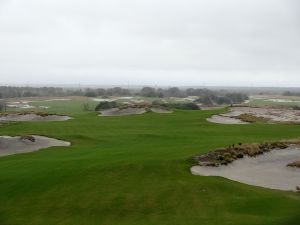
[134, 170]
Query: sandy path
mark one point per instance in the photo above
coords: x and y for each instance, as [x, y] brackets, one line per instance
[14, 145]
[268, 170]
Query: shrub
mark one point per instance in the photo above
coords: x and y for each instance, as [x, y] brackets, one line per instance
[185, 106]
[106, 105]
[294, 164]
[86, 107]
[27, 137]
[250, 118]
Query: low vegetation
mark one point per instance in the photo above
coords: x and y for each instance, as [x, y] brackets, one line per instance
[106, 105]
[177, 105]
[156, 104]
[27, 137]
[250, 118]
[227, 155]
[294, 164]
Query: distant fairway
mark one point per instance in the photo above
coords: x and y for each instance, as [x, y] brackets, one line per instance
[134, 170]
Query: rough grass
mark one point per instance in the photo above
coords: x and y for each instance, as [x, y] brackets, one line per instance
[227, 155]
[134, 171]
[250, 118]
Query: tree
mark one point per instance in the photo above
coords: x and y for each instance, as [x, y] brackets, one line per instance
[174, 92]
[3, 106]
[90, 93]
[86, 107]
[148, 92]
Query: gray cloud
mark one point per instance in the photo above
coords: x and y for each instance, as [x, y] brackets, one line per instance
[150, 42]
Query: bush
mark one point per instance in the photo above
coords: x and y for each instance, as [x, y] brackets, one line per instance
[27, 137]
[106, 105]
[185, 106]
[86, 107]
[91, 94]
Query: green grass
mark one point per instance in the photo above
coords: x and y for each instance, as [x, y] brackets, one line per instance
[134, 170]
[265, 100]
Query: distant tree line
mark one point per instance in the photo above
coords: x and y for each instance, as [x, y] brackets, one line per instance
[289, 93]
[205, 96]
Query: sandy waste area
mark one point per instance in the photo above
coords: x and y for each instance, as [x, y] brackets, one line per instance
[268, 170]
[16, 145]
[272, 115]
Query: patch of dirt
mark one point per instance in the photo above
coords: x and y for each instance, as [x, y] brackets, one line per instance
[22, 144]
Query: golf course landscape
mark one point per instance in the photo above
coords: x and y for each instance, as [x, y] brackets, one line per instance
[135, 170]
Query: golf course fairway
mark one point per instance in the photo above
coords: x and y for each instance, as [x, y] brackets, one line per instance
[135, 170]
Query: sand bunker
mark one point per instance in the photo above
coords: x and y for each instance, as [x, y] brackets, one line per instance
[160, 110]
[17, 145]
[32, 117]
[225, 120]
[269, 115]
[268, 170]
[131, 111]
[122, 112]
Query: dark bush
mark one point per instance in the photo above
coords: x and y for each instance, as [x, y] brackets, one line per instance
[185, 106]
[106, 105]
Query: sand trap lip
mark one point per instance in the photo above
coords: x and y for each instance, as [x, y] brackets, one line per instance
[14, 145]
[268, 170]
[271, 115]
[33, 117]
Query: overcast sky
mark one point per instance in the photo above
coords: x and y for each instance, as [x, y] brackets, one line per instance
[153, 42]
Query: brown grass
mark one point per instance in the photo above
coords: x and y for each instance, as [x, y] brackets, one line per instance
[27, 137]
[250, 118]
[294, 164]
[227, 155]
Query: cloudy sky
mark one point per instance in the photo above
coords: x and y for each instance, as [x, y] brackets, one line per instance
[150, 42]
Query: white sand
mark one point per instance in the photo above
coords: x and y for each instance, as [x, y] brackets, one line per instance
[268, 170]
[225, 120]
[160, 110]
[122, 112]
[14, 145]
[270, 114]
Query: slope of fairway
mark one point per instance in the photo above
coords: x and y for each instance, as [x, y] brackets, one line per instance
[134, 170]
